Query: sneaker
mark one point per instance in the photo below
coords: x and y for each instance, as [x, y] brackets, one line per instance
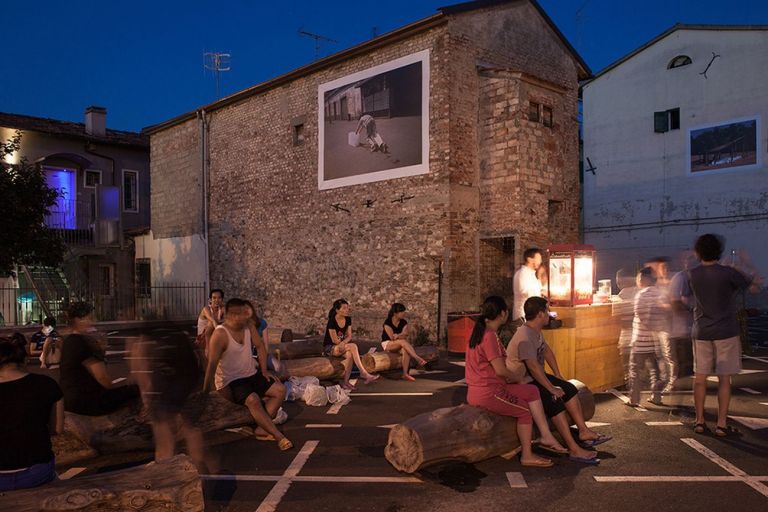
[281, 417]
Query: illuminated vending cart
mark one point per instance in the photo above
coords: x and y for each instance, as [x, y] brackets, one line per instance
[571, 274]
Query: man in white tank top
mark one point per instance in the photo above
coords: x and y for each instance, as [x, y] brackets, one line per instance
[233, 372]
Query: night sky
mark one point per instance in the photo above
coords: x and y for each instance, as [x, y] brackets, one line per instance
[143, 60]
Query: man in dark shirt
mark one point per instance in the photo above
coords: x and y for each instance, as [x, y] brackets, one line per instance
[84, 379]
[716, 329]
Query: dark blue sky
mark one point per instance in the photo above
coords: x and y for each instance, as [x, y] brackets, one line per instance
[143, 60]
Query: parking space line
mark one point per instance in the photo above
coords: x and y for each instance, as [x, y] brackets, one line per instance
[664, 423]
[391, 425]
[751, 391]
[390, 394]
[761, 359]
[70, 473]
[323, 425]
[118, 380]
[625, 399]
[329, 479]
[272, 500]
[596, 424]
[664, 478]
[335, 408]
[753, 423]
[516, 480]
[727, 466]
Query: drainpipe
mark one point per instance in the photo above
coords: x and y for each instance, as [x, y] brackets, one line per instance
[204, 174]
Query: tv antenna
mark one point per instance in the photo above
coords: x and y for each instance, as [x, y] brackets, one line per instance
[318, 40]
[218, 63]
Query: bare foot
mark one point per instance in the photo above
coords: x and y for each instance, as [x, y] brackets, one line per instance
[408, 378]
[536, 462]
[348, 386]
[582, 453]
[552, 443]
[422, 362]
[371, 378]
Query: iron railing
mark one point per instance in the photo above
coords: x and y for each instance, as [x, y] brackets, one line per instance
[178, 301]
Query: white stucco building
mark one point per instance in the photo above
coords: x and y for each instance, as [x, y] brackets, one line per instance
[675, 136]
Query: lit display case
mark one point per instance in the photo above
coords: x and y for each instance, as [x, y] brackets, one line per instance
[571, 274]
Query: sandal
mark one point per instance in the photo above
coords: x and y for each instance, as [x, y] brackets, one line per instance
[554, 449]
[264, 437]
[543, 463]
[371, 378]
[700, 428]
[423, 362]
[727, 431]
[348, 387]
[408, 378]
[284, 444]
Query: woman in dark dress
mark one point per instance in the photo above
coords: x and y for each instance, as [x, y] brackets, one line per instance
[32, 410]
[338, 342]
[394, 338]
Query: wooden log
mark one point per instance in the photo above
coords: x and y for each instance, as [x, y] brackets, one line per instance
[383, 361]
[296, 349]
[324, 368]
[170, 485]
[121, 431]
[463, 433]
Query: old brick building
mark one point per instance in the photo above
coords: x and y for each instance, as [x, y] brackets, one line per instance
[502, 175]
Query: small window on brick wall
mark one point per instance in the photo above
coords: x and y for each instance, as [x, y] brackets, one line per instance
[533, 111]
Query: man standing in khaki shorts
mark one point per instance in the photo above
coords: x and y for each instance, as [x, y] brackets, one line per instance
[716, 342]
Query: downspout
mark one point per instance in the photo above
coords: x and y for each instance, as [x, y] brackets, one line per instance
[204, 173]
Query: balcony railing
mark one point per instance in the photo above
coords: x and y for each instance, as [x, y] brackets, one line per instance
[73, 221]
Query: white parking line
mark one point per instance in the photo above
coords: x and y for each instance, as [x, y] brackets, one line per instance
[272, 500]
[625, 399]
[596, 424]
[664, 423]
[391, 425]
[753, 423]
[761, 359]
[118, 380]
[70, 473]
[727, 466]
[458, 363]
[516, 480]
[335, 408]
[390, 394]
[346, 479]
[751, 391]
[323, 425]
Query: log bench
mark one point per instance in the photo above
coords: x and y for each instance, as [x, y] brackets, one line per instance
[462, 433]
[296, 349]
[385, 361]
[172, 485]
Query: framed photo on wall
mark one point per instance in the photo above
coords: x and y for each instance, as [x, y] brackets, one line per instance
[374, 124]
[724, 147]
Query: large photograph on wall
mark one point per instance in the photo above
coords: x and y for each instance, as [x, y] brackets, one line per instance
[374, 124]
[732, 145]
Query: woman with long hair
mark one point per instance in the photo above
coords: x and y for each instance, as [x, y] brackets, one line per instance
[338, 342]
[394, 338]
[32, 410]
[488, 384]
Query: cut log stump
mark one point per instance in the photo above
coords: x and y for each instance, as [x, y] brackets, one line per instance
[121, 431]
[462, 433]
[297, 349]
[384, 361]
[324, 368]
[172, 485]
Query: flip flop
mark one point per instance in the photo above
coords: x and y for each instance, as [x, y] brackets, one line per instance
[700, 428]
[284, 444]
[372, 378]
[594, 461]
[546, 463]
[554, 449]
[727, 431]
[264, 437]
[423, 362]
[408, 378]
[589, 443]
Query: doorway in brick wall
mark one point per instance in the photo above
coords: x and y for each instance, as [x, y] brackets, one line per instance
[497, 266]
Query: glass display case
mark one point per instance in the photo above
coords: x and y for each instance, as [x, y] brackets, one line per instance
[571, 274]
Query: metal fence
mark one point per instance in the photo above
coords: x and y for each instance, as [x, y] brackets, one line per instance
[22, 306]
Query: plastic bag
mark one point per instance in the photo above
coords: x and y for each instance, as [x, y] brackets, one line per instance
[353, 139]
[315, 395]
[299, 386]
[337, 395]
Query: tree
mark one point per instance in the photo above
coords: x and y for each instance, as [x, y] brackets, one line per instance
[26, 200]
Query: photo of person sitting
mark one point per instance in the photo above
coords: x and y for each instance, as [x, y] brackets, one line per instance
[394, 338]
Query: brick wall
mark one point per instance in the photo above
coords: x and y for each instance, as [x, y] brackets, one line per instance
[274, 237]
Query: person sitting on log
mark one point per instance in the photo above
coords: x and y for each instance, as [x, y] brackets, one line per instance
[260, 346]
[489, 384]
[394, 338]
[337, 342]
[526, 354]
[210, 316]
[32, 411]
[87, 386]
[168, 373]
[232, 371]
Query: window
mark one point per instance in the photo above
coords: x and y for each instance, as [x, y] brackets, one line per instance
[546, 116]
[666, 120]
[91, 178]
[143, 278]
[130, 191]
[533, 111]
[679, 61]
[106, 280]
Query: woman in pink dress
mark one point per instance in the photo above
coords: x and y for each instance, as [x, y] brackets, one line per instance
[488, 384]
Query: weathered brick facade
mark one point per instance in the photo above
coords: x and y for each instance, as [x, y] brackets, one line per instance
[275, 238]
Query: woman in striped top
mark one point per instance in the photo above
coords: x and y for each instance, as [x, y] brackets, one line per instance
[650, 313]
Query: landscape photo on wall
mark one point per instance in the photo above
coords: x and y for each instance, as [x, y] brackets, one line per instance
[724, 146]
[373, 124]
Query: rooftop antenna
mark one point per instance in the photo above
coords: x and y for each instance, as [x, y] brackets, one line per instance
[218, 63]
[318, 39]
[579, 19]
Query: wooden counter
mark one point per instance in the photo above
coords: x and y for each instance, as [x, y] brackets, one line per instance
[586, 345]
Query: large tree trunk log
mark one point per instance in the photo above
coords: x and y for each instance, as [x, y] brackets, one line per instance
[324, 368]
[173, 485]
[121, 432]
[383, 361]
[297, 349]
[464, 433]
